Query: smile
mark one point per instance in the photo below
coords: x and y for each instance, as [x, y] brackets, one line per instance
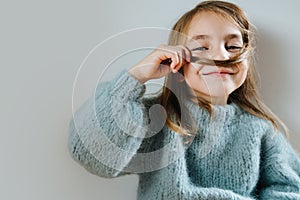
[218, 73]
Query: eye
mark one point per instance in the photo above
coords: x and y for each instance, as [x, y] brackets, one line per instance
[200, 49]
[233, 48]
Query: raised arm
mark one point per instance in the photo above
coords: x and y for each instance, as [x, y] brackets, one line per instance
[107, 131]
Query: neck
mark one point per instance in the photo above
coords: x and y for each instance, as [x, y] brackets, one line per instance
[214, 100]
[219, 100]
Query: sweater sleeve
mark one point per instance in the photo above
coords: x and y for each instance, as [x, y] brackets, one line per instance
[280, 169]
[220, 194]
[107, 130]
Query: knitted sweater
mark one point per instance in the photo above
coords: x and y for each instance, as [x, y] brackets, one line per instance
[234, 155]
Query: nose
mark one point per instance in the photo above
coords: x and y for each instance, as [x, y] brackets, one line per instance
[220, 54]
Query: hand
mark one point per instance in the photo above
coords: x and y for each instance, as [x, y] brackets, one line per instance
[151, 67]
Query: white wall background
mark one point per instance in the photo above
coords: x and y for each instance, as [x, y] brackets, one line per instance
[42, 45]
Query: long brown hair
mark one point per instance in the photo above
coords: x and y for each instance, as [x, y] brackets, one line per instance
[246, 96]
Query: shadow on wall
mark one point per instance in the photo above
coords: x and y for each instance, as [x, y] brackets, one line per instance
[273, 68]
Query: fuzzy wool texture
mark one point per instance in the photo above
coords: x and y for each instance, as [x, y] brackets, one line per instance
[233, 156]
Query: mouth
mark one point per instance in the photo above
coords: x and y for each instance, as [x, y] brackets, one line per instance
[218, 73]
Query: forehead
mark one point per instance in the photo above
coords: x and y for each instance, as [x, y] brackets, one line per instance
[212, 25]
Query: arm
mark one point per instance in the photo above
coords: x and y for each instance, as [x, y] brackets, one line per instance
[107, 130]
[280, 169]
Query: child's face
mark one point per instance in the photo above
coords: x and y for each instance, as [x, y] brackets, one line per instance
[214, 38]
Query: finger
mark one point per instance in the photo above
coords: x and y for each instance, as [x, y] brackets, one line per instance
[182, 57]
[175, 61]
[166, 58]
[187, 53]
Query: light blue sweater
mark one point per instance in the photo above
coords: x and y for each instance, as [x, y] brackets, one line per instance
[233, 156]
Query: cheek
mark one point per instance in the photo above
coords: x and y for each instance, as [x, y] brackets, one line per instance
[240, 78]
[193, 79]
[190, 73]
[243, 73]
[191, 68]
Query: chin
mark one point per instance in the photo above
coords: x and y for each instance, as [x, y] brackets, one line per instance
[218, 92]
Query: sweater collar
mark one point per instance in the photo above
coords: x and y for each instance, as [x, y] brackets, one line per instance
[221, 113]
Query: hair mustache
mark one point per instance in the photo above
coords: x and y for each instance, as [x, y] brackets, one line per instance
[225, 63]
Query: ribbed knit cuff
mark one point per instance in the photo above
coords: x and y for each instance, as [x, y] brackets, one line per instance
[126, 87]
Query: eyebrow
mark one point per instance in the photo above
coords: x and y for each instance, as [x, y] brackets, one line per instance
[233, 36]
[227, 37]
[201, 37]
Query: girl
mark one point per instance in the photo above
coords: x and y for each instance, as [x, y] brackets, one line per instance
[213, 139]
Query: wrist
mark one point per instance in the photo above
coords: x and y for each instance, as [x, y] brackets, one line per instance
[137, 75]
